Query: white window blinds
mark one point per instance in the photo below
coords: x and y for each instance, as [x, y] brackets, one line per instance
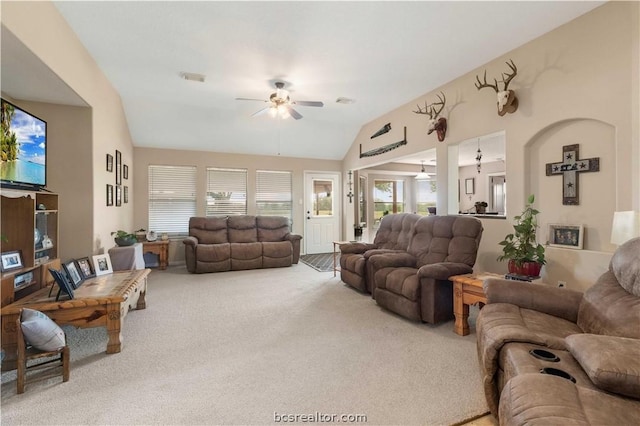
[273, 193]
[226, 191]
[172, 198]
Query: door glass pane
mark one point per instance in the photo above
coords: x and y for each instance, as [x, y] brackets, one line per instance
[322, 198]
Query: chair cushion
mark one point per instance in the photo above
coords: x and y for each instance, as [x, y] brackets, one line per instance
[612, 363]
[40, 331]
[403, 282]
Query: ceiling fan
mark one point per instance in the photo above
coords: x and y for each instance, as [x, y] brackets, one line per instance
[281, 103]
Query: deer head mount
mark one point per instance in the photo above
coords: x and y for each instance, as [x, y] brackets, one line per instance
[507, 101]
[435, 123]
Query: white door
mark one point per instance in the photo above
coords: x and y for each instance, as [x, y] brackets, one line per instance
[322, 211]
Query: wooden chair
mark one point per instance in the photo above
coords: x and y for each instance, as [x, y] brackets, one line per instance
[26, 353]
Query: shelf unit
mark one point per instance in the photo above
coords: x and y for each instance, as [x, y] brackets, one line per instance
[29, 225]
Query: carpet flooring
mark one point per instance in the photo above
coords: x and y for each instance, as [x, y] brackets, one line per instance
[245, 347]
[322, 262]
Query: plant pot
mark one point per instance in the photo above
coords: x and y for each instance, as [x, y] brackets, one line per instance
[125, 241]
[530, 269]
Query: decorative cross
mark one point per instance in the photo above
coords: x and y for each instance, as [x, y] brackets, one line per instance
[569, 169]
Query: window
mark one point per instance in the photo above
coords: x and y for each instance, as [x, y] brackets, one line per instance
[426, 195]
[322, 200]
[273, 193]
[172, 198]
[388, 197]
[226, 191]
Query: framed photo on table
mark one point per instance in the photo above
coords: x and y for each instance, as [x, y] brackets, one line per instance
[73, 273]
[84, 264]
[11, 260]
[102, 264]
[566, 236]
[63, 283]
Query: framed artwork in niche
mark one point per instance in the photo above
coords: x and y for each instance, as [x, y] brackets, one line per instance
[109, 163]
[566, 236]
[109, 195]
[469, 186]
[118, 167]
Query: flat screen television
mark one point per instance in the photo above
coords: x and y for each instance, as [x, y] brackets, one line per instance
[23, 154]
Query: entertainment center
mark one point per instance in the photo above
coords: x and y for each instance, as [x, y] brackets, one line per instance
[30, 228]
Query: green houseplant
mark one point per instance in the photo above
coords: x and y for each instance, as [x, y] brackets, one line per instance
[520, 248]
[123, 238]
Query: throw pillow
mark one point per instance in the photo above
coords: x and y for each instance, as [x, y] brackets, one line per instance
[611, 362]
[40, 331]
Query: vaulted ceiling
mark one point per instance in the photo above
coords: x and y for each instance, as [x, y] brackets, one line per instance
[380, 54]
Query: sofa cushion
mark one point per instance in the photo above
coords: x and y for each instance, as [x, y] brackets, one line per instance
[209, 230]
[612, 363]
[242, 229]
[272, 228]
[276, 254]
[246, 256]
[625, 265]
[607, 308]
[537, 399]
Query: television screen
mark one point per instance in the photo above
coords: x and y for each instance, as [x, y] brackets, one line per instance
[23, 155]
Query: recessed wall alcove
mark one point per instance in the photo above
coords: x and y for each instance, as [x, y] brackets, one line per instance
[597, 190]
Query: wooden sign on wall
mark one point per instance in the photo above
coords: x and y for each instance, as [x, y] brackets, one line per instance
[569, 169]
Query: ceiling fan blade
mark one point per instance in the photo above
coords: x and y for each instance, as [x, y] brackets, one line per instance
[260, 112]
[250, 99]
[309, 103]
[295, 114]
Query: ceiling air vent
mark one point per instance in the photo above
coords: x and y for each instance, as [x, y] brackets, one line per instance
[343, 100]
[191, 76]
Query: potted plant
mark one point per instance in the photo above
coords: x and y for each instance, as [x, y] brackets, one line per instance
[123, 238]
[520, 248]
[481, 207]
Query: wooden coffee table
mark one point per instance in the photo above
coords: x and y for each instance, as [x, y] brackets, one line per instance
[467, 290]
[100, 302]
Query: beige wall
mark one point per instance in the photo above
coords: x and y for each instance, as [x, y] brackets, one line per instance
[200, 159]
[43, 30]
[576, 84]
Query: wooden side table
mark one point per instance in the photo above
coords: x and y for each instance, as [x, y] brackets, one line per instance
[467, 290]
[161, 248]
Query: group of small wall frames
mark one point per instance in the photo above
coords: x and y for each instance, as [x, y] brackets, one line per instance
[118, 193]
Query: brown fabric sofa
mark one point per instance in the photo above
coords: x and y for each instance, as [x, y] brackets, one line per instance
[592, 345]
[229, 243]
[392, 236]
[415, 284]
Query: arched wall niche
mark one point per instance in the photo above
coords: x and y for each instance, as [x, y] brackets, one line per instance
[597, 190]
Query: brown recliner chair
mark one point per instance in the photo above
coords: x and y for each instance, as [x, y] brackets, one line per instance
[392, 236]
[587, 344]
[416, 284]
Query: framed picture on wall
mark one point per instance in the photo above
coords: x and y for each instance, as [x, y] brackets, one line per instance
[566, 236]
[109, 163]
[118, 195]
[118, 167]
[125, 194]
[109, 195]
[125, 171]
[469, 186]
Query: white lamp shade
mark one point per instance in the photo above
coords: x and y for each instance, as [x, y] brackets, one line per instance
[626, 225]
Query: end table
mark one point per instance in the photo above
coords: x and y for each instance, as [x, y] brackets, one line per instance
[467, 290]
[161, 248]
